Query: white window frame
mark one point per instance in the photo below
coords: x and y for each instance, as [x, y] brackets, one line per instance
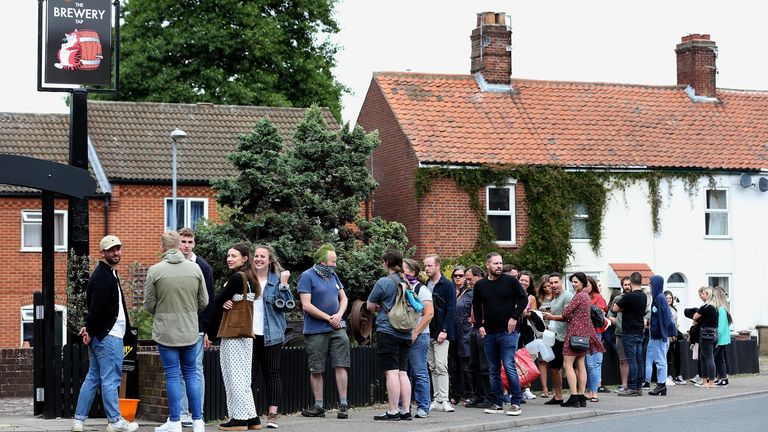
[579, 216]
[28, 317]
[511, 183]
[186, 202]
[726, 210]
[27, 216]
[727, 276]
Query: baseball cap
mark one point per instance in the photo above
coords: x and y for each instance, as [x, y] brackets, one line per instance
[109, 242]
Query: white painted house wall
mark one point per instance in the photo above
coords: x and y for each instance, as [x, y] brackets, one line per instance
[681, 246]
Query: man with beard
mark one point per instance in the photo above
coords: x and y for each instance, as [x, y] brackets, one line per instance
[324, 302]
[105, 326]
[560, 300]
[498, 304]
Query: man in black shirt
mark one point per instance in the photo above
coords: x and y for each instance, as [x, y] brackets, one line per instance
[498, 303]
[632, 306]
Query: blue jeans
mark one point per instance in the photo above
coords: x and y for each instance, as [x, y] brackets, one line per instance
[656, 353]
[177, 361]
[500, 349]
[200, 376]
[105, 369]
[594, 363]
[419, 370]
[633, 351]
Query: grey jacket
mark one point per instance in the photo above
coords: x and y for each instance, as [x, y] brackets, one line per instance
[174, 292]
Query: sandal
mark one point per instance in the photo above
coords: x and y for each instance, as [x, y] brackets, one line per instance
[594, 399]
[544, 394]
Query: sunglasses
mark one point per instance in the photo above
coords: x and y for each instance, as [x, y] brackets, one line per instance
[458, 275]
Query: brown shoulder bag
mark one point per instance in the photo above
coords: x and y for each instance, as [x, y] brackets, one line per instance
[238, 321]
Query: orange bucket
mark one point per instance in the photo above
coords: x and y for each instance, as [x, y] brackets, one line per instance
[128, 408]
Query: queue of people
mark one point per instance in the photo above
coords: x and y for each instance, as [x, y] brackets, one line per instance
[465, 334]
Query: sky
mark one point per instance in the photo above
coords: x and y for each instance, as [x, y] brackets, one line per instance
[586, 40]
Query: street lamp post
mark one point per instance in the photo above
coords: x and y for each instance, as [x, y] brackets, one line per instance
[175, 135]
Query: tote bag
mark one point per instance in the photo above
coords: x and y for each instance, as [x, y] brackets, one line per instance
[238, 321]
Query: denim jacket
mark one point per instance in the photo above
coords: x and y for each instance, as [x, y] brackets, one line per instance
[274, 316]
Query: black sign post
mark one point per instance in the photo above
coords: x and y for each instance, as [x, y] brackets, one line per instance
[75, 50]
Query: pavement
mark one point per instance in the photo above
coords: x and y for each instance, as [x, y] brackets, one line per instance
[16, 413]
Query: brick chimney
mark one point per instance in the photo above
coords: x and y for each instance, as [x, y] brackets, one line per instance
[696, 65]
[490, 54]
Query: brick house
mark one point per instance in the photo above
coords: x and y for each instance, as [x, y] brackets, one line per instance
[487, 117]
[130, 157]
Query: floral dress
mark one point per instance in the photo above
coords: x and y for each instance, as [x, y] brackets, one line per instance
[577, 313]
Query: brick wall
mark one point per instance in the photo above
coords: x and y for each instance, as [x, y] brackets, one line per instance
[16, 372]
[442, 222]
[135, 216]
[153, 405]
[392, 164]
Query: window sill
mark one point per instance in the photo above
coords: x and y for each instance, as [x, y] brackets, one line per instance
[40, 250]
[580, 240]
[725, 237]
[506, 244]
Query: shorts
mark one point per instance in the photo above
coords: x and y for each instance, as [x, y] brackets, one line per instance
[393, 352]
[620, 349]
[557, 362]
[317, 346]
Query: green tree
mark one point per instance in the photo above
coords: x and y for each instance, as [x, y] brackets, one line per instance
[232, 52]
[296, 199]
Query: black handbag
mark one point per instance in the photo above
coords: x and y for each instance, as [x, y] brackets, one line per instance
[579, 343]
[708, 334]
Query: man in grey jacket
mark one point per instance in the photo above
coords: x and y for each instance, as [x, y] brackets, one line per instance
[174, 292]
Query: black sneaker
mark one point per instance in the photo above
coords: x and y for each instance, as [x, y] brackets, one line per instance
[646, 385]
[723, 383]
[472, 403]
[484, 404]
[234, 425]
[343, 412]
[602, 389]
[387, 417]
[314, 411]
[406, 416]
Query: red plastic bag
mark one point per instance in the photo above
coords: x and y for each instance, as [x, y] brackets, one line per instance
[527, 371]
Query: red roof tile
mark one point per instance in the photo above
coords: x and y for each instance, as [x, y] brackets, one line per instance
[626, 269]
[448, 119]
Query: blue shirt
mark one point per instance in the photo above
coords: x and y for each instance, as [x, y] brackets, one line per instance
[325, 296]
[385, 292]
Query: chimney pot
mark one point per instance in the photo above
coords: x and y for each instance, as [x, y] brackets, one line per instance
[490, 55]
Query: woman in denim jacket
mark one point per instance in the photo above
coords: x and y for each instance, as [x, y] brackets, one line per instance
[275, 301]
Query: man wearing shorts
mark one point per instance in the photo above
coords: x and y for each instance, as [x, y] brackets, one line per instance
[324, 301]
[560, 300]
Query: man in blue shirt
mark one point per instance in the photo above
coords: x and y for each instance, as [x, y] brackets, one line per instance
[324, 302]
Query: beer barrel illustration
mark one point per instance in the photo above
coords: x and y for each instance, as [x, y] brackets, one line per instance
[90, 45]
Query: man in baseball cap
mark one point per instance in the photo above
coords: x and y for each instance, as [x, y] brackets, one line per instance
[105, 327]
[108, 242]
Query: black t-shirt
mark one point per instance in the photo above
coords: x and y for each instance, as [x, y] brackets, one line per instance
[633, 310]
[709, 316]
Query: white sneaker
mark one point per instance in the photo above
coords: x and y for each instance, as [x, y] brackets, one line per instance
[186, 420]
[696, 379]
[197, 425]
[446, 407]
[77, 426]
[528, 395]
[169, 426]
[433, 406]
[670, 382]
[124, 425]
[514, 411]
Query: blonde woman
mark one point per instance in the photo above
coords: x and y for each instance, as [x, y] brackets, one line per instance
[706, 317]
[724, 322]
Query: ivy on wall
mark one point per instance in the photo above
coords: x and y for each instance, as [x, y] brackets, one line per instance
[552, 193]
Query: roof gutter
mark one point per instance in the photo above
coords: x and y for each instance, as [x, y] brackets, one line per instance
[98, 168]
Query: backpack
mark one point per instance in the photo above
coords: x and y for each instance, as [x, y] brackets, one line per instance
[436, 324]
[597, 316]
[402, 316]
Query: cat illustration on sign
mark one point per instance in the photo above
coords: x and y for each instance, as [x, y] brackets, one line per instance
[80, 50]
